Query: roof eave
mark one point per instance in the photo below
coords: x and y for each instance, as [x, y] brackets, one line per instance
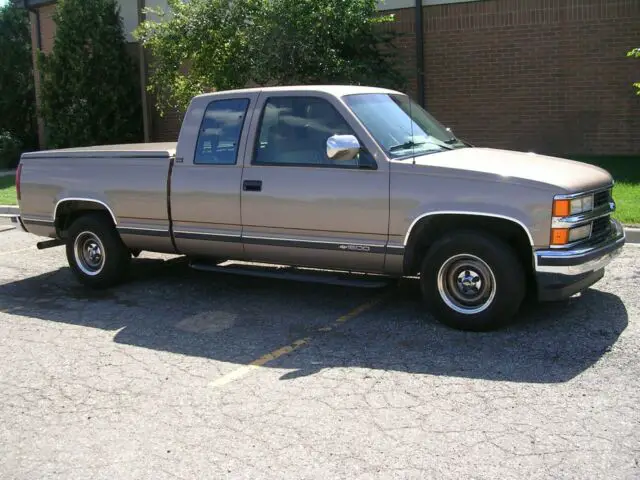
[31, 4]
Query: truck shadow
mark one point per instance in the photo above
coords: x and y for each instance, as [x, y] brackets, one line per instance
[237, 319]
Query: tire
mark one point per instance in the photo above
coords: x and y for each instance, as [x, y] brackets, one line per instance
[472, 281]
[96, 254]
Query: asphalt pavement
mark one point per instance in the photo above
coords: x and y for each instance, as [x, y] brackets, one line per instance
[188, 375]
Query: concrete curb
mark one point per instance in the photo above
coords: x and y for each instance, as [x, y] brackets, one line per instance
[9, 210]
[632, 233]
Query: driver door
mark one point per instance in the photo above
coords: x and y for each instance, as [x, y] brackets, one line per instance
[299, 207]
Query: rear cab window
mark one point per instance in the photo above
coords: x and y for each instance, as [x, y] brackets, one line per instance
[220, 131]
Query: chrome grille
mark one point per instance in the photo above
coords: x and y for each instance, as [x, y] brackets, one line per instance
[601, 227]
[601, 198]
[599, 217]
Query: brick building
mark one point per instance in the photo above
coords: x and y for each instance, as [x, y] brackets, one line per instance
[544, 75]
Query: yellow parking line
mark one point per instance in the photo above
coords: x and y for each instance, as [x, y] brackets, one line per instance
[274, 355]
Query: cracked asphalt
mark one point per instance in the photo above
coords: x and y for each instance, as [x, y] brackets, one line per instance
[127, 383]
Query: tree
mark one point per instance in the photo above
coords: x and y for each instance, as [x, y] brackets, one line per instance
[636, 54]
[17, 97]
[207, 45]
[89, 89]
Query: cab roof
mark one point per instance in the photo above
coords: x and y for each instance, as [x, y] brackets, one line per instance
[335, 90]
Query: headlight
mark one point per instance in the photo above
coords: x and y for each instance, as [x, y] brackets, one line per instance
[581, 205]
[564, 207]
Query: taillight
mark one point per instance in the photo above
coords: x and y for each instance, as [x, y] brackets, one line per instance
[18, 175]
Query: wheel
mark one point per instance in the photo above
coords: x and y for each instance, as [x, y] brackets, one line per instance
[472, 281]
[96, 254]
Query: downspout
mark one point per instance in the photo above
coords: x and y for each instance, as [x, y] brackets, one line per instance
[36, 71]
[146, 120]
[420, 53]
[36, 12]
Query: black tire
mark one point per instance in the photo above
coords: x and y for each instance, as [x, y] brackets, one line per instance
[460, 291]
[105, 266]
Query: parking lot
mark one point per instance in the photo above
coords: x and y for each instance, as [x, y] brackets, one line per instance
[180, 374]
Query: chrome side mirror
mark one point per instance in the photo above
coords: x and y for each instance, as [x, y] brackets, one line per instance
[342, 147]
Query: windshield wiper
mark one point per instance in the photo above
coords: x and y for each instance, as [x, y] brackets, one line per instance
[406, 145]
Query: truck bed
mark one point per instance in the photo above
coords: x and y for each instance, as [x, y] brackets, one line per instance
[128, 181]
[133, 150]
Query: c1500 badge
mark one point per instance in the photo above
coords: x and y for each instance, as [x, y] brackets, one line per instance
[356, 248]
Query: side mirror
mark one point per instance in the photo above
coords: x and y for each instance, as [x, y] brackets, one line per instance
[342, 147]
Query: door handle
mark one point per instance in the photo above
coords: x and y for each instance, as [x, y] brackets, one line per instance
[252, 185]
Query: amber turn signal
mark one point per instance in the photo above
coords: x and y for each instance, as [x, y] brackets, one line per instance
[559, 236]
[561, 208]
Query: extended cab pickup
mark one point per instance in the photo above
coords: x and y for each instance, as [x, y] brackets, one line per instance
[342, 178]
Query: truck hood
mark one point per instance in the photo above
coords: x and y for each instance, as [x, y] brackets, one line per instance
[568, 175]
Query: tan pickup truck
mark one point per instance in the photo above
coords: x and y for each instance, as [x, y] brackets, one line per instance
[338, 178]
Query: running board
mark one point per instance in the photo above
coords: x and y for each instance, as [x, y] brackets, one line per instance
[297, 274]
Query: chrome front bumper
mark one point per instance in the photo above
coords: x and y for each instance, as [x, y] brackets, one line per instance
[582, 259]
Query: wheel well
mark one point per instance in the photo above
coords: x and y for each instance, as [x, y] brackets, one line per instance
[430, 229]
[68, 211]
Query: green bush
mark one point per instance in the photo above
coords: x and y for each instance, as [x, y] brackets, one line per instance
[207, 45]
[10, 149]
[17, 98]
[90, 93]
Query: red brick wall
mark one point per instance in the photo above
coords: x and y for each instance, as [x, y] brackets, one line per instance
[162, 128]
[405, 53]
[543, 75]
[47, 27]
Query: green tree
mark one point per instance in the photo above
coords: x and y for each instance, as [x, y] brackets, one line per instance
[636, 54]
[207, 45]
[89, 90]
[17, 95]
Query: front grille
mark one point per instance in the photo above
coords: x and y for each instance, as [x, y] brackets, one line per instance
[601, 198]
[601, 227]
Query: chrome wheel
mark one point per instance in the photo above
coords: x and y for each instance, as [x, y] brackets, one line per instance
[466, 284]
[89, 253]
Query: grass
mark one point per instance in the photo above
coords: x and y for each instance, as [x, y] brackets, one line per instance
[627, 197]
[8, 190]
[625, 171]
[626, 193]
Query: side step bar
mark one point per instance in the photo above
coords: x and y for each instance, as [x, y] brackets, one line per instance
[297, 274]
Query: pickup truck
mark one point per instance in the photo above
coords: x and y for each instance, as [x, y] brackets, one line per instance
[346, 179]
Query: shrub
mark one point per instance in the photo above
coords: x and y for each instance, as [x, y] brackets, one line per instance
[210, 45]
[89, 89]
[10, 149]
[17, 101]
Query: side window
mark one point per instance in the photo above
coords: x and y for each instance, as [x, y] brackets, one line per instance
[294, 131]
[220, 131]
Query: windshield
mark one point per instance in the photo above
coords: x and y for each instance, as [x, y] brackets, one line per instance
[401, 126]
